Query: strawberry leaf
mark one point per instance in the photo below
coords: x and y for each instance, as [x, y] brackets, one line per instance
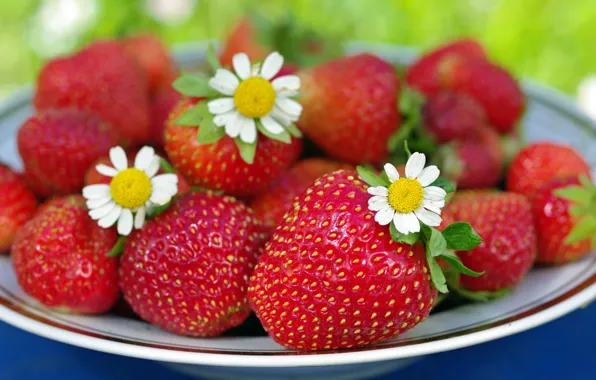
[586, 181]
[435, 243]
[436, 274]
[460, 236]
[294, 131]
[576, 194]
[370, 178]
[454, 262]
[476, 296]
[192, 85]
[191, 117]
[247, 151]
[212, 59]
[444, 184]
[585, 228]
[284, 136]
[208, 133]
[398, 237]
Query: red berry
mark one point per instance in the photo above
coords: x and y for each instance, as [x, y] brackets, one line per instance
[554, 222]
[60, 259]
[219, 166]
[271, 205]
[243, 38]
[490, 85]
[423, 74]
[187, 270]
[58, 146]
[331, 277]
[163, 103]
[350, 107]
[508, 248]
[101, 78]
[539, 163]
[17, 206]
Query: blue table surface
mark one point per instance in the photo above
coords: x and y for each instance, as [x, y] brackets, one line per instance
[563, 349]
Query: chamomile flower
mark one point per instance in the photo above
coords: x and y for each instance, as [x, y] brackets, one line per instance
[251, 97]
[131, 192]
[409, 200]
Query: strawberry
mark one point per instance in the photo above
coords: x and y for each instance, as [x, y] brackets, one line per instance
[187, 270]
[331, 277]
[242, 38]
[153, 58]
[219, 166]
[350, 107]
[58, 146]
[162, 104]
[271, 205]
[508, 250]
[490, 85]
[423, 74]
[558, 217]
[60, 259]
[17, 206]
[539, 163]
[101, 78]
[451, 116]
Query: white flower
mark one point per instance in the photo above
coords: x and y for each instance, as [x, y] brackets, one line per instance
[251, 96]
[130, 192]
[410, 200]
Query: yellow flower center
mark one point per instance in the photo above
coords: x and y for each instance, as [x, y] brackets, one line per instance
[131, 188]
[405, 195]
[254, 97]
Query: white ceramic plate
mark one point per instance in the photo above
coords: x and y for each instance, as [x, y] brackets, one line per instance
[546, 294]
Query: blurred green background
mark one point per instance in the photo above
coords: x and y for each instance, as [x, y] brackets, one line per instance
[550, 40]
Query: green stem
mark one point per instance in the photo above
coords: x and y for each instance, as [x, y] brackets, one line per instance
[118, 247]
[166, 166]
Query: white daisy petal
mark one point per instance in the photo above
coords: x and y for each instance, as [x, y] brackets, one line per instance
[101, 211]
[125, 222]
[411, 222]
[248, 134]
[160, 197]
[140, 217]
[429, 175]
[428, 217]
[271, 125]
[234, 125]
[288, 85]
[281, 116]
[377, 203]
[399, 221]
[106, 170]
[392, 172]
[289, 106]
[96, 203]
[378, 190]
[384, 216]
[221, 105]
[224, 82]
[96, 191]
[415, 165]
[153, 168]
[144, 158]
[272, 65]
[241, 65]
[434, 193]
[434, 206]
[224, 118]
[111, 218]
[118, 158]
[164, 179]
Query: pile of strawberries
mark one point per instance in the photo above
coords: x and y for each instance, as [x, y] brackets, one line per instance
[287, 234]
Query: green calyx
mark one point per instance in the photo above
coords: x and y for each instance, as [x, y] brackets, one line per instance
[459, 236]
[476, 296]
[583, 209]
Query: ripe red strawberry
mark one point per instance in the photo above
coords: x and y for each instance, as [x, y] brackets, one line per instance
[243, 39]
[103, 79]
[350, 107]
[423, 74]
[162, 104]
[187, 270]
[554, 222]
[490, 85]
[17, 206]
[271, 205]
[60, 259]
[331, 277]
[508, 250]
[452, 116]
[58, 146]
[154, 59]
[218, 166]
[539, 163]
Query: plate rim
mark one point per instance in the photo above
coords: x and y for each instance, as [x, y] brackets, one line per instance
[580, 295]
